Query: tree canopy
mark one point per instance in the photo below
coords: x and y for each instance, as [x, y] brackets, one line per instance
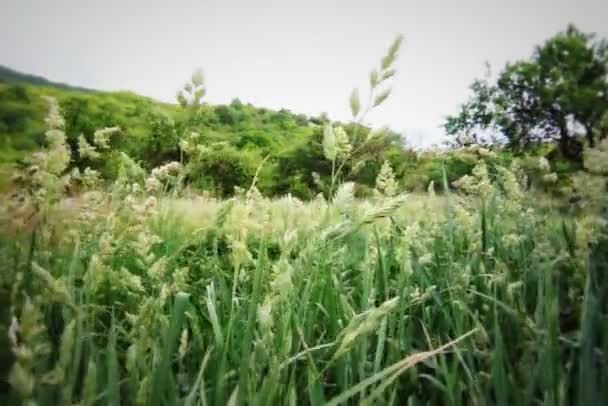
[560, 93]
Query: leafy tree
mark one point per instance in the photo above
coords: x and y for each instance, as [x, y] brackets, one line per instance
[236, 103]
[562, 87]
[162, 140]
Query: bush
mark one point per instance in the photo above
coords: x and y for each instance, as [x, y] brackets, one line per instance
[221, 168]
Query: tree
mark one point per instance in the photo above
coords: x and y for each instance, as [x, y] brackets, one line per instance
[560, 93]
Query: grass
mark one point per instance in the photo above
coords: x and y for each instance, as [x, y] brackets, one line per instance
[423, 300]
[132, 293]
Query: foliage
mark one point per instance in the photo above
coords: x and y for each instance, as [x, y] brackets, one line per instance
[12, 76]
[220, 168]
[561, 87]
[153, 133]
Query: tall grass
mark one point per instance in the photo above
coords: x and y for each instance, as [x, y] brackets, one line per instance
[477, 301]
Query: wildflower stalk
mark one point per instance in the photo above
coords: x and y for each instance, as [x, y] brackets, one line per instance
[374, 100]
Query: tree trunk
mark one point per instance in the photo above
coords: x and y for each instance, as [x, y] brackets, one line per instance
[590, 136]
[570, 147]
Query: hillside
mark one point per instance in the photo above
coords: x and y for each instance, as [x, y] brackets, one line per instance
[9, 75]
[233, 141]
[237, 136]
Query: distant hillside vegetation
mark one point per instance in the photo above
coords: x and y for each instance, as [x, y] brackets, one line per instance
[235, 138]
[9, 75]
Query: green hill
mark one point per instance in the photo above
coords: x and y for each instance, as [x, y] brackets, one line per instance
[233, 139]
[239, 136]
[9, 75]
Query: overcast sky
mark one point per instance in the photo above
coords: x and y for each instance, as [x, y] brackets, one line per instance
[302, 55]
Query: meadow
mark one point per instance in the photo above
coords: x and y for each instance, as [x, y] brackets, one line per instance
[143, 289]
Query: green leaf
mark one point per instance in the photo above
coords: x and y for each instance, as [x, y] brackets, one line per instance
[113, 384]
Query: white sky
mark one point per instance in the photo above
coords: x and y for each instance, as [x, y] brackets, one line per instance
[302, 55]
